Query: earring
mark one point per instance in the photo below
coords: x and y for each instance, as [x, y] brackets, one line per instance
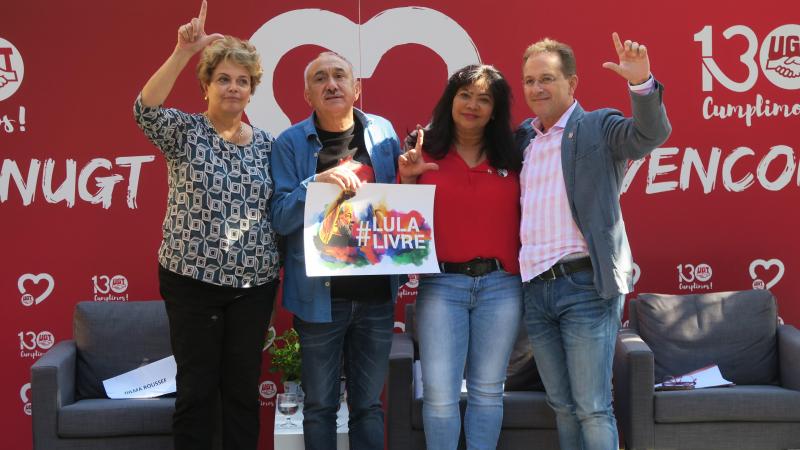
[205, 98]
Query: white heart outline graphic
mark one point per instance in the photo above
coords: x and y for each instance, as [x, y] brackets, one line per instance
[637, 272]
[766, 264]
[271, 335]
[363, 44]
[36, 279]
[23, 392]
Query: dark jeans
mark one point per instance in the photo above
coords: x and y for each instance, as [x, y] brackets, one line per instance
[363, 332]
[217, 335]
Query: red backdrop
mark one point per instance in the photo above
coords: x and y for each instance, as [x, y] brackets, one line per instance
[82, 193]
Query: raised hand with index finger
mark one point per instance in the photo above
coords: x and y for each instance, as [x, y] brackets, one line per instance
[411, 164]
[192, 36]
[634, 64]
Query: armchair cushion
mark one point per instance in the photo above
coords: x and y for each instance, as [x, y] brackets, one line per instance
[714, 335]
[522, 374]
[93, 418]
[527, 409]
[521, 410]
[789, 356]
[113, 338]
[728, 404]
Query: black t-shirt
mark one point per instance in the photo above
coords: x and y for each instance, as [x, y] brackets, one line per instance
[338, 148]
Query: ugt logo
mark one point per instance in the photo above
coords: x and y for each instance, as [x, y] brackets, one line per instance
[33, 344]
[28, 298]
[783, 54]
[764, 267]
[778, 57]
[692, 277]
[11, 69]
[267, 389]
[103, 284]
[109, 289]
[24, 392]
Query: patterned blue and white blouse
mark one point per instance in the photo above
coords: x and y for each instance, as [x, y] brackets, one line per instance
[216, 228]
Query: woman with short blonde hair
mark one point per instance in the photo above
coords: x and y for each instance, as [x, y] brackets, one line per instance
[218, 259]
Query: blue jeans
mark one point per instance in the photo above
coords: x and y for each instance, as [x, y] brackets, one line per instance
[466, 321]
[363, 333]
[573, 331]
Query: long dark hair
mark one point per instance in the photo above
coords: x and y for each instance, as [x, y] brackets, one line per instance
[498, 141]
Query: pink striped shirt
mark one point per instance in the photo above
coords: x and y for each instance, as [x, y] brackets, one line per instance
[547, 231]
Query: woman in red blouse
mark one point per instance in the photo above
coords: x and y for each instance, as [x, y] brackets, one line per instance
[468, 314]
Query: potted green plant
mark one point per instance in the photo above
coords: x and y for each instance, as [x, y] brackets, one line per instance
[285, 354]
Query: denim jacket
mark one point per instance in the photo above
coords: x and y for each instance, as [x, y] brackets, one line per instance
[294, 165]
[595, 151]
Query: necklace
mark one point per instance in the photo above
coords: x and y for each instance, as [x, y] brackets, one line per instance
[238, 135]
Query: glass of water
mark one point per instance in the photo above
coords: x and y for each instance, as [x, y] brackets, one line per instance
[288, 404]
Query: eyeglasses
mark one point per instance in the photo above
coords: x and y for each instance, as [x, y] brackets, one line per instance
[678, 383]
[545, 80]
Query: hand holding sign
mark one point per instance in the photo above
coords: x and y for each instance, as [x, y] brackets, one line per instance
[411, 164]
[342, 175]
[634, 64]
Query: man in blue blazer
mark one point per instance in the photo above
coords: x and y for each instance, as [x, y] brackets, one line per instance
[575, 259]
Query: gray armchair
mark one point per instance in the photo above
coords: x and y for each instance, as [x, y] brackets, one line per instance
[528, 421]
[674, 335]
[69, 406]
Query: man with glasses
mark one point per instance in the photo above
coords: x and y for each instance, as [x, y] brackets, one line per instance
[575, 259]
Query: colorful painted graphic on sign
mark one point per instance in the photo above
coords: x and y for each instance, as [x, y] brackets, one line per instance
[379, 229]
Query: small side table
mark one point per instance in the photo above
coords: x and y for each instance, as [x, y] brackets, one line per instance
[292, 438]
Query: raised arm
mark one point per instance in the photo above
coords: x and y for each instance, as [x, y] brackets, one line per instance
[636, 137]
[634, 64]
[192, 38]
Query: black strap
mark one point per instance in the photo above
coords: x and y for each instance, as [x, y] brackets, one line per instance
[475, 268]
[565, 268]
